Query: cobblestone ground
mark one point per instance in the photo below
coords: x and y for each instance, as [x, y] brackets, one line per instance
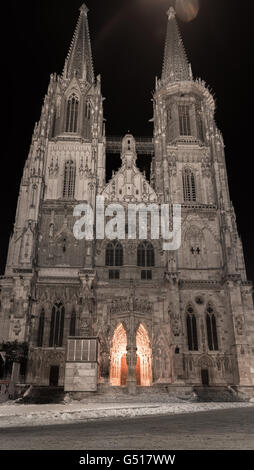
[218, 430]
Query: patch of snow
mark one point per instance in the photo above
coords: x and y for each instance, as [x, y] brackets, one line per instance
[34, 415]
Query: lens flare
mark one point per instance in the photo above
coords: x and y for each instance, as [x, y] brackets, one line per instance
[187, 10]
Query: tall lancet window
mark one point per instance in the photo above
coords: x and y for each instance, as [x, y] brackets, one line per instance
[72, 114]
[41, 329]
[53, 125]
[73, 323]
[69, 180]
[192, 329]
[114, 254]
[88, 110]
[211, 326]
[184, 120]
[200, 127]
[145, 254]
[189, 186]
[57, 326]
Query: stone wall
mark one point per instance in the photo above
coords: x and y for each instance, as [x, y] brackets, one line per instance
[81, 377]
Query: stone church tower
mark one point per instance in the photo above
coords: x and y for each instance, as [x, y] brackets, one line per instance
[176, 318]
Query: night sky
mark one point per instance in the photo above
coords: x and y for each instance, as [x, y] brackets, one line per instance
[128, 42]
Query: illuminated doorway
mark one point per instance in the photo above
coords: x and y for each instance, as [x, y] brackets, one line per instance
[138, 375]
[144, 358]
[118, 365]
[124, 370]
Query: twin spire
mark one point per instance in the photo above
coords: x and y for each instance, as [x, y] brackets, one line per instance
[175, 64]
[79, 61]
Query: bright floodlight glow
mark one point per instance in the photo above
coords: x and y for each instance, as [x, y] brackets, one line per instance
[187, 10]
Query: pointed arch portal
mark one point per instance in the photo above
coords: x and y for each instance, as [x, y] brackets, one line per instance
[119, 367]
[144, 358]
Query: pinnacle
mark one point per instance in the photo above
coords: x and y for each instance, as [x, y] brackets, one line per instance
[175, 65]
[171, 13]
[79, 58]
[83, 8]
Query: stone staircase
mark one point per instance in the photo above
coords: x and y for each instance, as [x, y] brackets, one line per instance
[38, 395]
[246, 391]
[217, 394]
[158, 393]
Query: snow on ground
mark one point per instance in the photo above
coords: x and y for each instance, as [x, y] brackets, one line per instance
[35, 415]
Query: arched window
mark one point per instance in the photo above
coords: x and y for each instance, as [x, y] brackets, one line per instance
[57, 326]
[73, 324]
[53, 125]
[41, 329]
[88, 110]
[200, 127]
[189, 186]
[114, 254]
[145, 255]
[211, 326]
[192, 329]
[184, 120]
[72, 114]
[69, 180]
[170, 124]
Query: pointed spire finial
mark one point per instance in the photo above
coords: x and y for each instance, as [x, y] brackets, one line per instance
[79, 62]
[175, 65]
[171, 13]
[84, 9]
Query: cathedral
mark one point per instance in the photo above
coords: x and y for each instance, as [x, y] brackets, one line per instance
[126, 313]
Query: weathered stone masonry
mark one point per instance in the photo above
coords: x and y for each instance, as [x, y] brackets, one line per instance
[175, 318]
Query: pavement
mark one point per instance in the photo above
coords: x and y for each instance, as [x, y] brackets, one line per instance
[227, 428]
[14, 414]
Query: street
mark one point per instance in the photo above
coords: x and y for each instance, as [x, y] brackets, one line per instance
[214, 430]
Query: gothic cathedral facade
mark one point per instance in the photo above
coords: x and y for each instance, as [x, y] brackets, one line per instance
[180, 317]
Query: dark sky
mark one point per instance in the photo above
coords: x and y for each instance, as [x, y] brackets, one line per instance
[128, 41]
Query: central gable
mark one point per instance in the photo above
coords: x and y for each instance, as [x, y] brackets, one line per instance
[129, 184]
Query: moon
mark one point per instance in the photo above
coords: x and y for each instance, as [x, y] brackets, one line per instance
[187, 10]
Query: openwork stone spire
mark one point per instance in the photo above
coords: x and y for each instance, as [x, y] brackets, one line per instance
[79, 61]
[175, 65]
